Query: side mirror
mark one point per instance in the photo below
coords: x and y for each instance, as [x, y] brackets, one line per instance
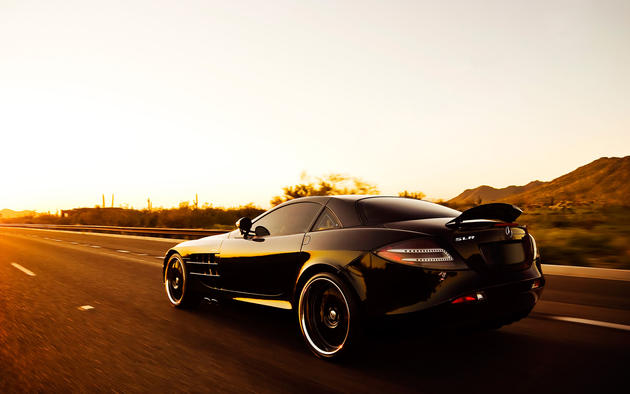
[244, 224]
[261, 231]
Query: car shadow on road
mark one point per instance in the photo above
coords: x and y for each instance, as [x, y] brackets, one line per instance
[430, 356]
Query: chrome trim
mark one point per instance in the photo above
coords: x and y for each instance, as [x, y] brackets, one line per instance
[303, 321]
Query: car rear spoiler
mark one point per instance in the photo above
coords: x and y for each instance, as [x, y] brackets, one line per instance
[496, 211]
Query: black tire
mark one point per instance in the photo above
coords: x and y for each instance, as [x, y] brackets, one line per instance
[176, 279]
[329, 316]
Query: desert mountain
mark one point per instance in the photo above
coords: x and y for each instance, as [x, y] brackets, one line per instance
[603, 181]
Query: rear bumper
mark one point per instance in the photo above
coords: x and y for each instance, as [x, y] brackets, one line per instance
[504, 303]
[508, 298]
[501, 302]
[396, 289]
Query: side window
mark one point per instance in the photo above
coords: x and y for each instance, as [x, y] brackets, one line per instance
[292, 219]
[326, 221]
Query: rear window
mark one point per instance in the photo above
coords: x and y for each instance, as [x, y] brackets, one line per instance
[396, 209]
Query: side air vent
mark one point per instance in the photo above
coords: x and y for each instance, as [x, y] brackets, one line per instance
[202, 264]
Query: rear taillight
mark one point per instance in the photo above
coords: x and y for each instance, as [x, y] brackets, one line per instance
[421, 252]
[478, 296]
[417, 255]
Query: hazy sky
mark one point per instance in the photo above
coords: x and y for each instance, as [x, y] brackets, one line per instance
[233, 100]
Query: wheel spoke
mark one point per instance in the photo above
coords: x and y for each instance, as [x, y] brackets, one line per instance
[324, 315]
[175, 281]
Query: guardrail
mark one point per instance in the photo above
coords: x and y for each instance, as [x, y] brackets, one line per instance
[182, 233]
[192, 233]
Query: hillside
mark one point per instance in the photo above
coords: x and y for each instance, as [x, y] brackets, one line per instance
[9, 213]
[603, 181]
[488, 193]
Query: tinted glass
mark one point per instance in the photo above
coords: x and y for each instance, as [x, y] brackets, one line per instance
[326, 221]
[393, 209]
[292, 219]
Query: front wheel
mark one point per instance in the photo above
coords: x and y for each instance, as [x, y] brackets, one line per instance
[328, 316]
[176, 284]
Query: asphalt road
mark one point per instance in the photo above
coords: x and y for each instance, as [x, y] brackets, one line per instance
[132, 340]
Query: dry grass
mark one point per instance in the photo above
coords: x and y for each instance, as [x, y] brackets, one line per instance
[579, 235]
[586, 236]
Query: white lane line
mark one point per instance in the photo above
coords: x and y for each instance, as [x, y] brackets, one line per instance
[86, 307]
[26, 271]
[591, 322]
[58, 240]
[142, 254]
[74, 243]
[159, 257]
[94, 246]
[122, 251]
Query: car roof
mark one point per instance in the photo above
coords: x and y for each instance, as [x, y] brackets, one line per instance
[344, 197]
[342, 205]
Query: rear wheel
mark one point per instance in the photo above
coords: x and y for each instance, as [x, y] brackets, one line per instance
[176, 284]
[328, 316]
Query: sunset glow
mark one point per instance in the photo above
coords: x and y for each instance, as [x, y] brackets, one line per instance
[234, 101]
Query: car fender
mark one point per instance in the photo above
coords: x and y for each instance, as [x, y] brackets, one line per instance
[209, 245]
[341, 268]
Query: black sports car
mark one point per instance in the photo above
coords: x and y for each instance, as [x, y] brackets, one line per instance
[339, 260]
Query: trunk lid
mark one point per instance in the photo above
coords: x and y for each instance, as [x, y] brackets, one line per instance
[485, 237]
